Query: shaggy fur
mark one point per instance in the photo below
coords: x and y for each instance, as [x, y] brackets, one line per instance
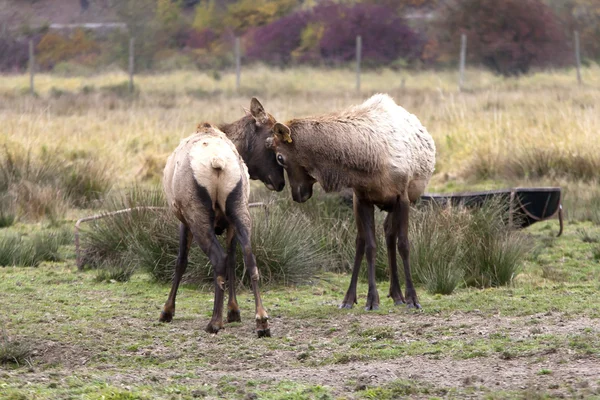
[376, 147]
[206, 185]
[385, 155]
[213, 162]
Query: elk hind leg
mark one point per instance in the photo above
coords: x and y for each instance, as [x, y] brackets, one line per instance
[185, 240]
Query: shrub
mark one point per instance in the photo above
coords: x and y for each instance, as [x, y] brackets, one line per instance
[508, 37]
[14, 54]
[328, 32]
[201, 39]
[44, 185]
[245, 14]
[8, 213]
[14, 351]
[385, 36]
[287, 247]
[54, 48]
[31, 250]
[276, 42]
[475, 246]
[436, 237]
[119, 273]
[493, 251]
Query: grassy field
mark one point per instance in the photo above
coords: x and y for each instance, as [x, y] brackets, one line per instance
[77, 338]
[65, 334]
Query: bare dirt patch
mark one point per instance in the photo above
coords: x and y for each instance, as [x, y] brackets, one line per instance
[205, 360]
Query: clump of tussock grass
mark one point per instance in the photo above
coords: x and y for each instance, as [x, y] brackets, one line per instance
[114, 272]
[553, 163]
[533, 163]
[436, 238]
[493, 250]
[586, 237]
[332, 215]
[287, 247]
[454, 246]
[8, 215]
[596, 253]
[30, 250]
[45, 185]
[449, 247]
[15, 352]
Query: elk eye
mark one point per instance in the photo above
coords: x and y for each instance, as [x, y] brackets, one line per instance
[280, 160]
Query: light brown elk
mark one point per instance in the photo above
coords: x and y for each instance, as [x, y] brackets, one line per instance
[249, 135]
[206, 185]
[380, 151]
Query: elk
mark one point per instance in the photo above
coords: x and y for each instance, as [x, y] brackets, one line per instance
[205, 180]
[381, 152]
[249, 135]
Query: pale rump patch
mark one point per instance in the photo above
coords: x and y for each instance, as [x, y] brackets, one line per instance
[215, 164]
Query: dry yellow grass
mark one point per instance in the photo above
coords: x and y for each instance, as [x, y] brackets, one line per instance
[540, 128]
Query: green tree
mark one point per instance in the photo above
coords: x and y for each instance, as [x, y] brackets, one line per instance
[245, 14]
[168, 16]
[207, 16]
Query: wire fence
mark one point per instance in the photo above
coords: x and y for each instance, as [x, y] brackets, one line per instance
[237, 56]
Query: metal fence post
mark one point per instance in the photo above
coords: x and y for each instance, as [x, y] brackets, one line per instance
[578, 57]
[238, 64]
[463, 56]
[358, 58]
[31, 67]
[131, 63]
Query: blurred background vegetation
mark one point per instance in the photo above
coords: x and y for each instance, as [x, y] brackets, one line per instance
[509, 36]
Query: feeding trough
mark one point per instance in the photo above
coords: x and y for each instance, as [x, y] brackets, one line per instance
[525, 205]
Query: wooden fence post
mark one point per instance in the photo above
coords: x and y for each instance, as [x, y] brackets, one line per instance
[238, 64]
[131, 63]
[358, 58]
[31, 67]
[578, 57]
[463, 56]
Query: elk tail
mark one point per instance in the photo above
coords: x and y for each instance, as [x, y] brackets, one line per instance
[217, 162]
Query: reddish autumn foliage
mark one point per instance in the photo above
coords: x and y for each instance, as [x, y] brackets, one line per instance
[508, 36]
[328, 34]
[14, 54]
[275, 42]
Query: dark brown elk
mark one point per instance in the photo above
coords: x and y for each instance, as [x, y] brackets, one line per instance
[380, 151]
[206, 180]
[249, 135]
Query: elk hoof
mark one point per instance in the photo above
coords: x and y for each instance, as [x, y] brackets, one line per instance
[399, 302]
[347, 304]
[234, 316]
[213, 328]
[165, 316]
[372, 307]
[414, 305]
[263, 332]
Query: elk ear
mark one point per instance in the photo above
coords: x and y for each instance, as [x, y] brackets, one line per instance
[258, 111]
[283, 131]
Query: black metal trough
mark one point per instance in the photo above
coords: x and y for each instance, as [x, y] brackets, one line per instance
[525, 205]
